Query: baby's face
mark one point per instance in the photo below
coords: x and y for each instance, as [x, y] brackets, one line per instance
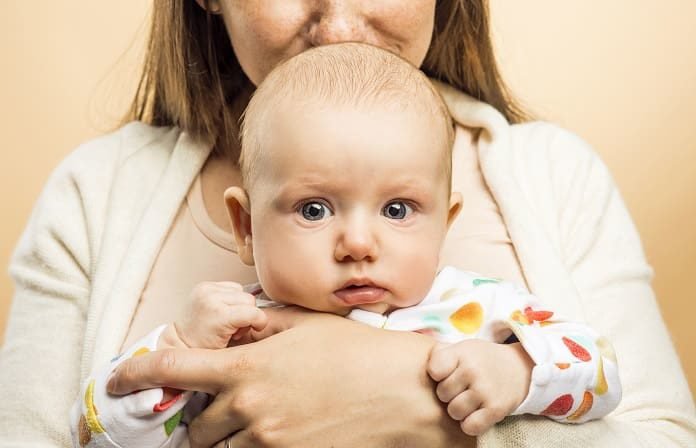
[350, 207]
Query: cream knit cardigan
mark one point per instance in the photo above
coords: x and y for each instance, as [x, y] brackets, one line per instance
[94, 234]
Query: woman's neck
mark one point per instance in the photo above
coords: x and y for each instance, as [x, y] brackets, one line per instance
[218, 174]
[221, 170]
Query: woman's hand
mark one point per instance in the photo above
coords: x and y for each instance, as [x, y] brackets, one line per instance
[326, 381]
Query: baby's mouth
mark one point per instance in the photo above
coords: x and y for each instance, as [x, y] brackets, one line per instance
[360, 293]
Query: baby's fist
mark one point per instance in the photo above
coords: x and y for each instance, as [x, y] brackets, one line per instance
[218, 311]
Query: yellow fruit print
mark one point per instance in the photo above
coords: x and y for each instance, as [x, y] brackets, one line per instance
[91, 418]
[519, 317]
[140, 351]
[468, 319]
[601, 387]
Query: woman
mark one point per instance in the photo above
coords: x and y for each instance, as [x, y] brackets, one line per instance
[108, 252]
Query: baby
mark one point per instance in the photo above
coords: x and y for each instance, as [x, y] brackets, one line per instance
[346, 167]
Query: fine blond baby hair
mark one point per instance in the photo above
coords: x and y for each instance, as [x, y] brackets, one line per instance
[352, 74]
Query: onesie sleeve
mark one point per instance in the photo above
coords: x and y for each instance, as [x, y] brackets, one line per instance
[575, 377]
[140, 419]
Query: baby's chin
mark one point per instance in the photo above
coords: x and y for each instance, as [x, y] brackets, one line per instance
[379, 307]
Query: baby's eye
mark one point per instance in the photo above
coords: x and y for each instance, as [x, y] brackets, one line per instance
[314, 211]
[397, 210]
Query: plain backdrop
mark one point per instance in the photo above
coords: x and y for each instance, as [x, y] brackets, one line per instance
[621, 74]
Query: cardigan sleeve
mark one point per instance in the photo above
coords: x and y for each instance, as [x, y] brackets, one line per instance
[51, 268]
[602, 252]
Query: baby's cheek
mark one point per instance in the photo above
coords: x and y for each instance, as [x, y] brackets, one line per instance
[416, 274]
[284, 282]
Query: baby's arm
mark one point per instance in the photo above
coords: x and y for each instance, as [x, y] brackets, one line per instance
[574, 377]
[150, 418]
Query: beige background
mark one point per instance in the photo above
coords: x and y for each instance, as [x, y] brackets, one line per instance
[622, 74]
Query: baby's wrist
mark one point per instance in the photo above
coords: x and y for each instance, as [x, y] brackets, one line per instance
[524, 365]
[169, 338]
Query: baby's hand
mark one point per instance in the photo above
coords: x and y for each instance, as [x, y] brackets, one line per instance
[482, 382]
[219, 311]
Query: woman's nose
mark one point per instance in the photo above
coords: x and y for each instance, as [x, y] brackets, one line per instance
[356, 242]
[338, 21]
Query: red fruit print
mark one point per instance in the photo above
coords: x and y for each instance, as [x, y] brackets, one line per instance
[560, 406]
[163, 406]
[538, 316]
[577, 350]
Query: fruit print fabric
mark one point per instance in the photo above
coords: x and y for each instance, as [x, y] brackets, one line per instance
[468, 318]
[574, 379]
[569, 379]
[139, 419]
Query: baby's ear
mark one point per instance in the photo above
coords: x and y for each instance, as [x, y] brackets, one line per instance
[237, 202]
[455, 206]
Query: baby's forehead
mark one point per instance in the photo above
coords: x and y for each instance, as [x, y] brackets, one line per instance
[338, 137]
[305, 118]
[342, 76]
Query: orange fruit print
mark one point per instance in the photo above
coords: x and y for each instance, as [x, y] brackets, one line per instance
[584, 407]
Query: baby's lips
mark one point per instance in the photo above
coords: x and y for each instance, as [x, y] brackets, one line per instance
[360, 295]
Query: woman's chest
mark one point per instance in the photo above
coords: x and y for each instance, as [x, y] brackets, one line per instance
[190, 254]
[478, 240]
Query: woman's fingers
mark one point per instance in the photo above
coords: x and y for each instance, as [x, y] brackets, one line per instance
[264, 401]
[188, 369]
[215, 424]
[241, 439]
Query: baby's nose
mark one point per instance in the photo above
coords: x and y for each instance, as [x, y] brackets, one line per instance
[356, 243]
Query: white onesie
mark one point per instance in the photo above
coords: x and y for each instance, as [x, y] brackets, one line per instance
[575, 377]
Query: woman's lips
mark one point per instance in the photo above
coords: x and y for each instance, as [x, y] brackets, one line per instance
[357, 295]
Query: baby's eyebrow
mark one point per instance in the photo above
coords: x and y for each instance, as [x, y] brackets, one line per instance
[291, 190]
[408, 185]
[314, 183]
[397, 186]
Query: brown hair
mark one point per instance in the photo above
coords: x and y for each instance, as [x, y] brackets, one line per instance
[191, 74]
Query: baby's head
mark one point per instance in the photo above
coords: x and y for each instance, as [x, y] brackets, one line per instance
[346, 167]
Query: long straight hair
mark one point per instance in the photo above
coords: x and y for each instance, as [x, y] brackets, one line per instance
[191, 75]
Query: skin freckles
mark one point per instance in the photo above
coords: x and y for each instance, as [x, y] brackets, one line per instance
[266, 32]
[357, 182]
